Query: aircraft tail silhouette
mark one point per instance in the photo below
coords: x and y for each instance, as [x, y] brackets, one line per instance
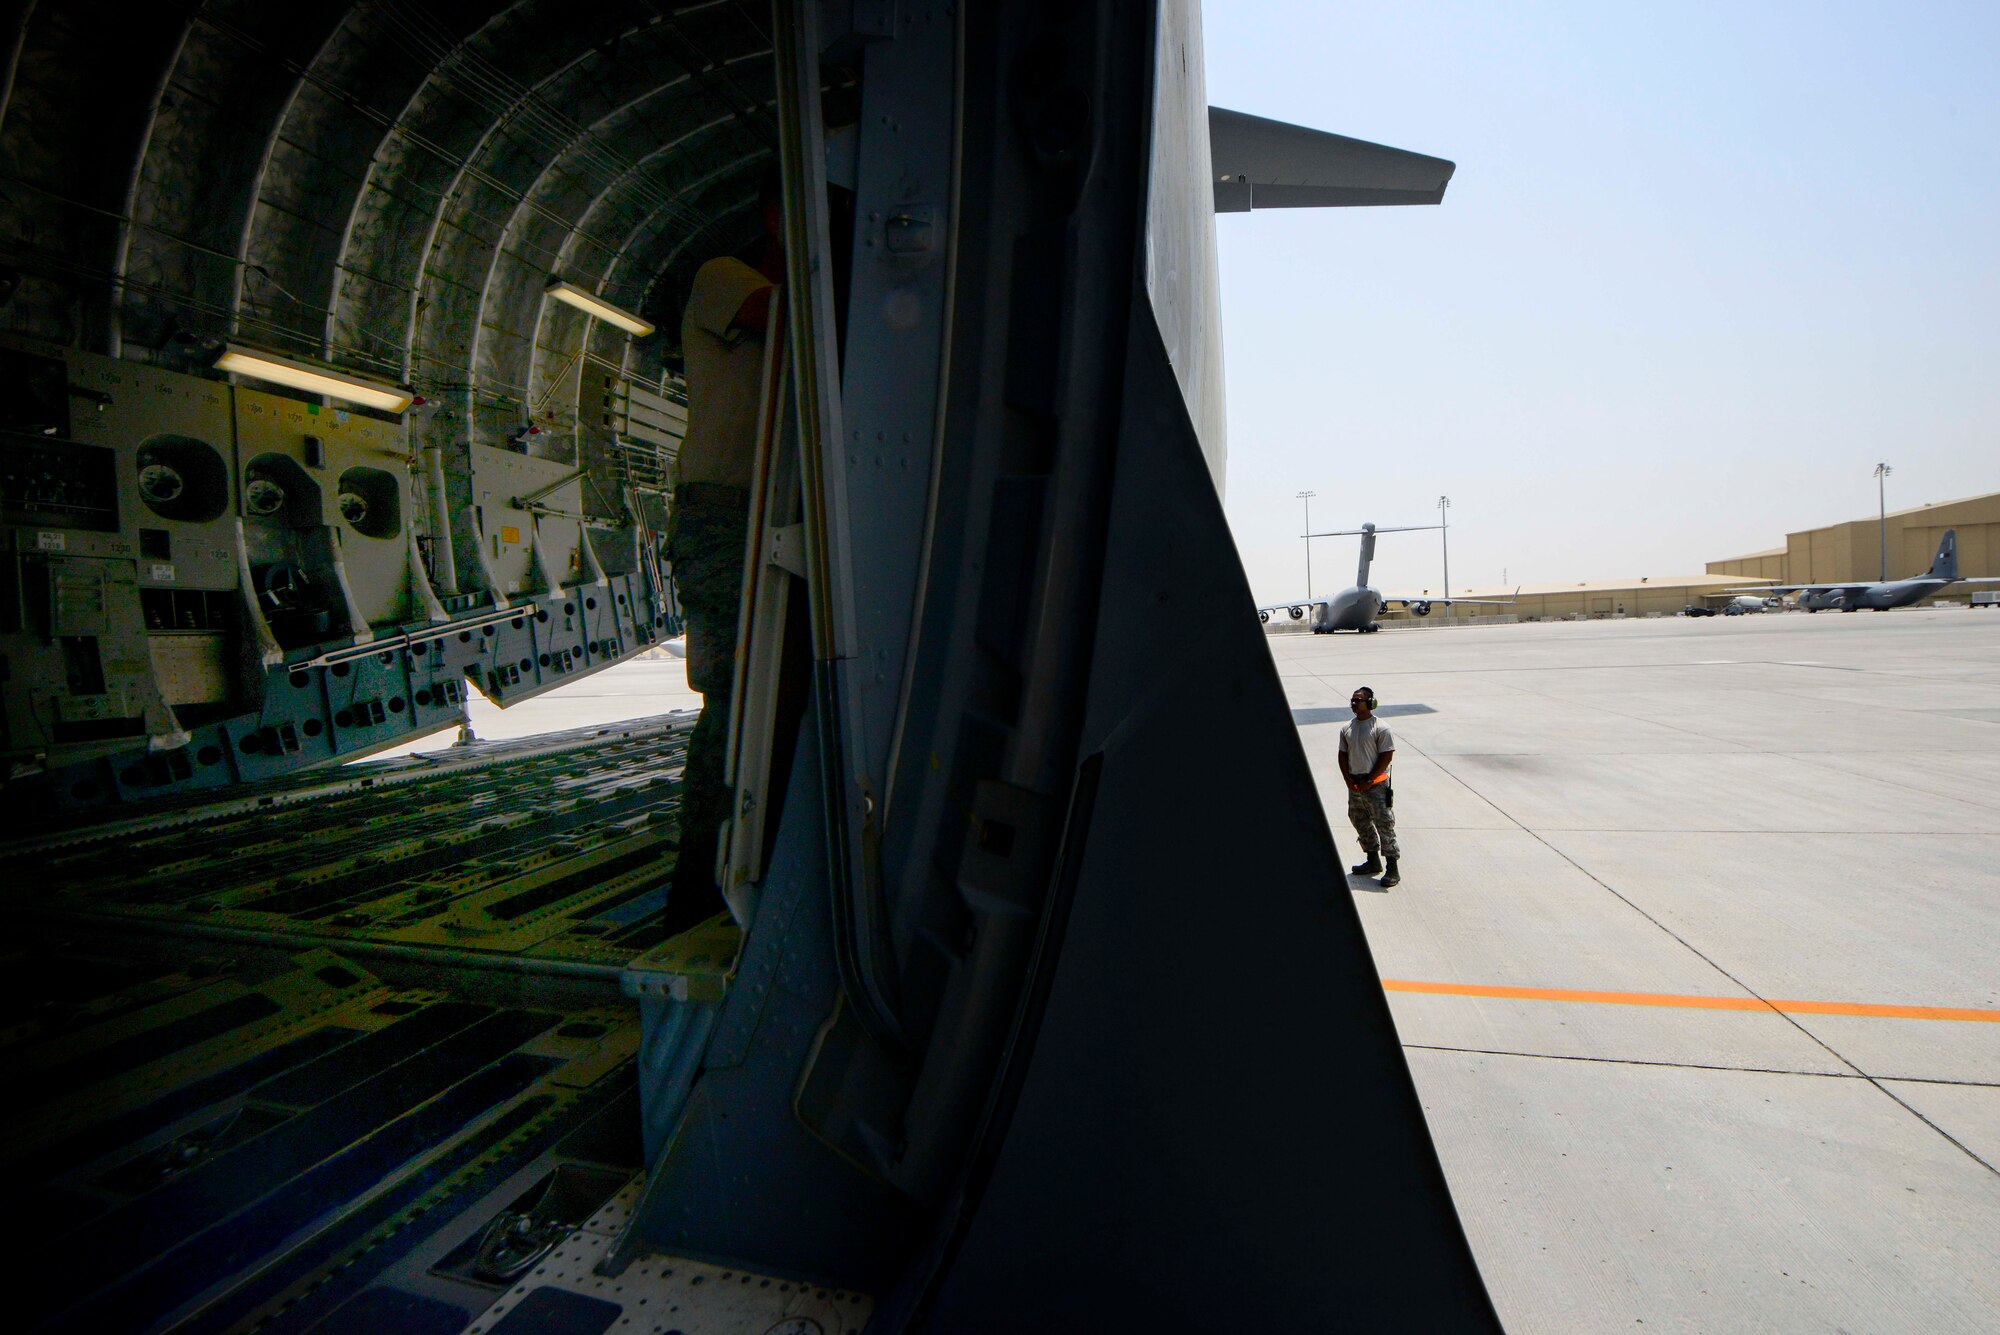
[1367, 533]
[1945, 564]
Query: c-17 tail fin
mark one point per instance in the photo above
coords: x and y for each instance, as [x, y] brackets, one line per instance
[1945, 564]
[1367, 533]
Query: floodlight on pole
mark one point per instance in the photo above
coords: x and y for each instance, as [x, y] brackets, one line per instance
[1307, 497]
[1444, 535]
[1882, 502]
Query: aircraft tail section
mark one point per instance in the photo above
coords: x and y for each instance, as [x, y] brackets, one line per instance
[1945, 564]
[1367, 555]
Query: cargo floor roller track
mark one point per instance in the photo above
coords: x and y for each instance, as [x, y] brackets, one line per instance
[270, 1049]
[550, 855]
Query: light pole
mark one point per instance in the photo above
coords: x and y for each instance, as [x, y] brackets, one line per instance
[1882, 501]
[1444, 535]
[1307, 497]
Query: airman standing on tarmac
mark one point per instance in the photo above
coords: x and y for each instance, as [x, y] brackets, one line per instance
[1366, 750]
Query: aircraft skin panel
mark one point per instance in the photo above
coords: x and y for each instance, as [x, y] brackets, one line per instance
[743, 1172]
[1163, 1105]
[1215, 1084]
[1182, 277]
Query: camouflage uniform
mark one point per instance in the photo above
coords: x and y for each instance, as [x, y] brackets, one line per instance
[1374, 819]
[705, 537]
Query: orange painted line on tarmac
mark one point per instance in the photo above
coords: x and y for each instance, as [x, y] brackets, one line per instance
[1975, 1015]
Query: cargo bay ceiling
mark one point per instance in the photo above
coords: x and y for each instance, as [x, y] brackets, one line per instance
[389, 184]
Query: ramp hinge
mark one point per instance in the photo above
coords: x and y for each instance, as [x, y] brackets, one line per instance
[787, 549]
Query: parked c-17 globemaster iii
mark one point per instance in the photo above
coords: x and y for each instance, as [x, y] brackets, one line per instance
[1357, 607]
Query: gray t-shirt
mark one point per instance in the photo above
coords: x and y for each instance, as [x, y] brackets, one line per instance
[1363, 740]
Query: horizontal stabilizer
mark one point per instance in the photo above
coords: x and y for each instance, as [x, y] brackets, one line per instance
[1266, 164]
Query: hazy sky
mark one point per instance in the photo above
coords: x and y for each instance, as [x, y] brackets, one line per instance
[1701, 266]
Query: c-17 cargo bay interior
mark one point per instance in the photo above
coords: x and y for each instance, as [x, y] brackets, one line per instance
[291, 1028]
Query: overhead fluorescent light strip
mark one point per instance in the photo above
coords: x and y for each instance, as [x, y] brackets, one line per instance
[602, 309]
[314, 378]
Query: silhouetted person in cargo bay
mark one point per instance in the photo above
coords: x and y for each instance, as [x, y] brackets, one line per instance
[722, 342]
[1366, 750]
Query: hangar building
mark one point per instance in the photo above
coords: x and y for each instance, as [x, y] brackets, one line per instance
[1641, 596]
[1852, 550]
[1835, 552]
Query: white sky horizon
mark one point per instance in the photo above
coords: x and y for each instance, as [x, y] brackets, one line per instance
[1700, 268]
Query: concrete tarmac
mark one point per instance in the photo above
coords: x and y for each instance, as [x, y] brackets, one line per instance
[1696, 958]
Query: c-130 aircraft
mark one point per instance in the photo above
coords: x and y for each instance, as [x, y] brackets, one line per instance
[960, 1049]
[1356, 608]
[1881, 595]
